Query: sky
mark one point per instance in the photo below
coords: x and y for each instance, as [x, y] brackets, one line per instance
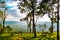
[13, 11]
[15, 15]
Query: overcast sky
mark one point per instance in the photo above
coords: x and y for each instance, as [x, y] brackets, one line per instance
[15, 15]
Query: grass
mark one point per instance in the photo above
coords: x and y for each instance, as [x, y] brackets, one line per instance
[28, 36]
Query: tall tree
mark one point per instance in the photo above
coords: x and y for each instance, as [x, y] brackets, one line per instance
[58, 20]
[3, 13]
[30, 5]
[47, 7]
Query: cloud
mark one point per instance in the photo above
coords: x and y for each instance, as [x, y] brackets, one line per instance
[12, 8]
[12, 18]
[45, 18]
[13, 11]
[11, 4]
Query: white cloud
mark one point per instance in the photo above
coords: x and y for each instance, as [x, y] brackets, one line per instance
[12, 18]
[45, 18]
[11, 3]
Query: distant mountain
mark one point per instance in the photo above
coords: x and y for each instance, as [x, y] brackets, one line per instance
[22, 25]
[17, 26]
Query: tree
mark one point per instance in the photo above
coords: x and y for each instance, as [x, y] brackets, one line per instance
[7, 29]
[58, 20]
[57, 15]
[50, 29]
[47, 7]
[0, 28]
[30, 6]
[3, 12]
[43, 27]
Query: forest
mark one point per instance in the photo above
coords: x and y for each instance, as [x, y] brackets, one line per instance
[32, 11]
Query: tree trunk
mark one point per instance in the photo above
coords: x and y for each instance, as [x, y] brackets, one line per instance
[30, 24]
[58, 21]
[52, 26]
[34, 29]
[3, 24]
[52, 23]
[27, 24]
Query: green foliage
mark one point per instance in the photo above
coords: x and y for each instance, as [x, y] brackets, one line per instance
[42, 27]
[50, 29]
[0, 26]
[8, 28]
[28, 36]
[28, 5]
[1, 13]
[45, 1]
